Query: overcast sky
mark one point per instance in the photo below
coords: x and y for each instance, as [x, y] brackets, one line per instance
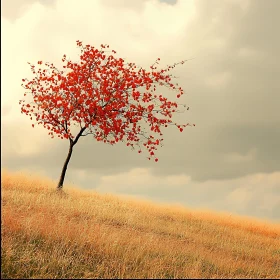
[229, 162]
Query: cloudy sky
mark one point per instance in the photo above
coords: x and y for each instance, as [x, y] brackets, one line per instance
[229, 162]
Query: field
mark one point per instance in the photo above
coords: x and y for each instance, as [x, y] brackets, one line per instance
[83, 234]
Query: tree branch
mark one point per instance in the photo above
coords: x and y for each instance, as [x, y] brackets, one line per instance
[78, 136]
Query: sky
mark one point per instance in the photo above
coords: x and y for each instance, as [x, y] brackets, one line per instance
[228, 162]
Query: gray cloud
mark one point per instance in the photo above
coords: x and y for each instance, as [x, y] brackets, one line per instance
[233, 93]
[170, 2]
[232, 88]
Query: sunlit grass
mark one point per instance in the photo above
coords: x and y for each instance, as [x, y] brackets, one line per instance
[83, 234]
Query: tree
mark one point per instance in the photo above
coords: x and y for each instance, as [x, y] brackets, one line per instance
[102, 96]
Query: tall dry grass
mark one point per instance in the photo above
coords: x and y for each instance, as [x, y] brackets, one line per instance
[88, 235]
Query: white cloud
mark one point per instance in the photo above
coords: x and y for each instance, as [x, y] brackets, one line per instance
[240, 197]
[270, 202]
[140, 179]
[257, 194]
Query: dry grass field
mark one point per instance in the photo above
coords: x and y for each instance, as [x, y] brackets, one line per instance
[83, 234]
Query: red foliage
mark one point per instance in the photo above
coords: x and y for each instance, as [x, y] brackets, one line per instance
[101, 94]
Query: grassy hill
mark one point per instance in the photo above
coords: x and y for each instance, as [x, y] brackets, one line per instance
[89, 235]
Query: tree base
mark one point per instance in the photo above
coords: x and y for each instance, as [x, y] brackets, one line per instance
[61, 193]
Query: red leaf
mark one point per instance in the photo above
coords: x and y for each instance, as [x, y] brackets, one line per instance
[99, 94]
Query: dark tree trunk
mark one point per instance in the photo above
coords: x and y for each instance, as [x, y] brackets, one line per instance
[63, 172]
[72, 144]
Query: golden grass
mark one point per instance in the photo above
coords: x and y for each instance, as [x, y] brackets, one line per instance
[83, 234]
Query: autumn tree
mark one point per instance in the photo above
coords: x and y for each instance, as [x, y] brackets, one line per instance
[104, 97]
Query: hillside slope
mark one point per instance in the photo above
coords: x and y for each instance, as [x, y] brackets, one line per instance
[88, 235]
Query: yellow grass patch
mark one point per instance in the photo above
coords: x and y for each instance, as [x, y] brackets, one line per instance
[83, 234]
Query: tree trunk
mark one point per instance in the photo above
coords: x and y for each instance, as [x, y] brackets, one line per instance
[63, 172]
